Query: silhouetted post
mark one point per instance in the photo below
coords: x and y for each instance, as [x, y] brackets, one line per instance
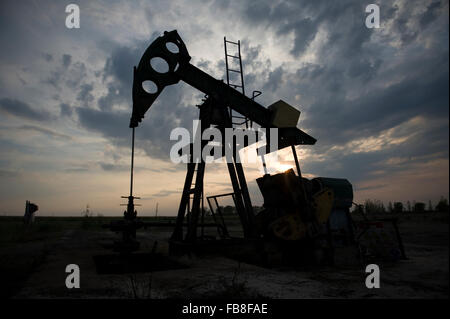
[30, 209]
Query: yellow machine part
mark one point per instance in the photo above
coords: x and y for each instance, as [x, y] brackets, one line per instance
[322, 204]
[291, 227]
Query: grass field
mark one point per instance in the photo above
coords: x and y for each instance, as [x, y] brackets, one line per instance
[33, 260]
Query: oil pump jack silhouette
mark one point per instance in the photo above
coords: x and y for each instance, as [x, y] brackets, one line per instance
[296, 210]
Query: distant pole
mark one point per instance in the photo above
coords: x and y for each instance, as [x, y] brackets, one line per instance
[156, 210]
[132, 163]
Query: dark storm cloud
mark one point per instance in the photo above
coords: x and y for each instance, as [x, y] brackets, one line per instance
[110, 124]
[349, 60]
[53, 79]
[76, 75]
[341, 92]
[112, 167]
[120, 67]
[430, 14]
[70, 74]
[424, 145]
[304, 18]
[8, 174]
[304, 30]
[65, 110]
[383, 108]
[48, 57]
[168, 112]
[162, 193]
[275, 80]
[85, 94]
[66, 60]
[45, 131]
[153, 133]
[23, 110]
[376, 100]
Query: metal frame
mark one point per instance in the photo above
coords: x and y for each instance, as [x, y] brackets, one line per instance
[241, 195]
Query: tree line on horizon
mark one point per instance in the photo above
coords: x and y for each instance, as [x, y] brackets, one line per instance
[376, 206]
[370, 206]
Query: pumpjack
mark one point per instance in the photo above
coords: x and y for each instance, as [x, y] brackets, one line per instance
[299, 215]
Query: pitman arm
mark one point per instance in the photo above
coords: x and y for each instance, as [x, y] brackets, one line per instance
[181, 69]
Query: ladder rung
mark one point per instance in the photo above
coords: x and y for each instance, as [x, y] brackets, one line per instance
[233, 56]
[235, 85]
[234, 71]
[232, 42]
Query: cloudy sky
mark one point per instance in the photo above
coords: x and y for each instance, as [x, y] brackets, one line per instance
[376, 99]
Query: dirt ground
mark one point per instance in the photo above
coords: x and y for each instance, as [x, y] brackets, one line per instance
[32, 265]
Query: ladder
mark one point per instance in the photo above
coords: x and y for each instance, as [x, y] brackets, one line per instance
[192, 204]
[236, 118]
[196, 195]
[192, 209]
